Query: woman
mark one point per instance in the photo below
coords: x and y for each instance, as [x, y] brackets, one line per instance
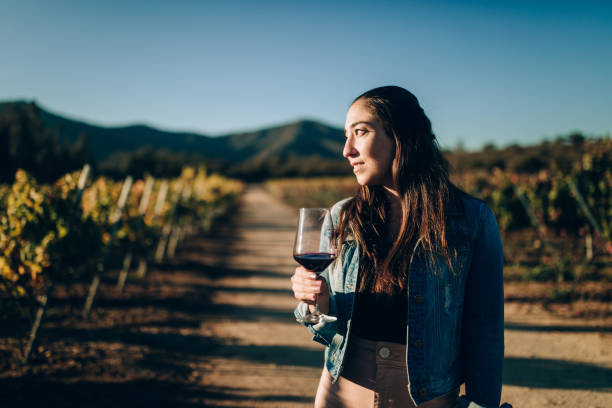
[417, 288]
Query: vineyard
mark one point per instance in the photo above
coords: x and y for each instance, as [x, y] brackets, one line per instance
[122, 298]
[80, 230]
[556, 226]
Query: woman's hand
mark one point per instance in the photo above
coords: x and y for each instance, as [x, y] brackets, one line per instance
[307, 285]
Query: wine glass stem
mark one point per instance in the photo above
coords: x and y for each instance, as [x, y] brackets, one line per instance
[316, 305]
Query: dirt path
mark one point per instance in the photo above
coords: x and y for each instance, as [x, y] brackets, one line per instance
[268, 359]
[215, 328]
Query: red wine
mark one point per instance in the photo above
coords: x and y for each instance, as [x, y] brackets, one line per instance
[315, 262]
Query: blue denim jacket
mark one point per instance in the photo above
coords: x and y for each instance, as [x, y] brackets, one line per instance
[455, 330]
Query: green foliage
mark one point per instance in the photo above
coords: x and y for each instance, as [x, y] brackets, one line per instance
[43, 235]
[48, 234]
[540, 273]
[549, 193]
[564, 295]
[593, 178]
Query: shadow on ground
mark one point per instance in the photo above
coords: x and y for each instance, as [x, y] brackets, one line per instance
[557, 328]
[560, 374]
[35, 391]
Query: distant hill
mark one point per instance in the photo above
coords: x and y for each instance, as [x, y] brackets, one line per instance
[299, 139]
[304, 148]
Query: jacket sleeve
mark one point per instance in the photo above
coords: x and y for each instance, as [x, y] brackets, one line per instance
[483, 315]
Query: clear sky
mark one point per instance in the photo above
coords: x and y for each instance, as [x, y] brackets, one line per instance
[484, 71]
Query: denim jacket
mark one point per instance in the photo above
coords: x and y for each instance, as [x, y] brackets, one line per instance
[455, 330]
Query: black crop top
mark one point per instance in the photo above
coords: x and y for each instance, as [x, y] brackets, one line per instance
[381, 317]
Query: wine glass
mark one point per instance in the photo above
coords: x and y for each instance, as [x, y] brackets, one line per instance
[314, 248]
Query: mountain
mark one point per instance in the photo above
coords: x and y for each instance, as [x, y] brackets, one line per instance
[29, 136]
[299, 139]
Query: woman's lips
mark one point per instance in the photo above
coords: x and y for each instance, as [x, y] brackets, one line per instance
[357, 166]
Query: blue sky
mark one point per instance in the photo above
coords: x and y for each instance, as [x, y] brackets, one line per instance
[500, 72]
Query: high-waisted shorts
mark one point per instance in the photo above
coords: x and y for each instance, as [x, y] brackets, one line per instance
[374, 375]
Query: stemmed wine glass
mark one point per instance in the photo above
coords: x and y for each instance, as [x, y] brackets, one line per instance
[314, 248]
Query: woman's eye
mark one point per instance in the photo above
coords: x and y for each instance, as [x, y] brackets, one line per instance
[360, 131]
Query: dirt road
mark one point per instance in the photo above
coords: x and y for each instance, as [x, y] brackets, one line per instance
[267, 359]
[215, 328]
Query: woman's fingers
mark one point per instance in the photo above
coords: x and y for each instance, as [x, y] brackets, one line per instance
[306, 292]
[302, 272]
[306, 284]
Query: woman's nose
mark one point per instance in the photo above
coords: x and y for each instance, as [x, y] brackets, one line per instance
[348, 150]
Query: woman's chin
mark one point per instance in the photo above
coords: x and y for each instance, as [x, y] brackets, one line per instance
[362, 181]
[366, 182]
[370, 180]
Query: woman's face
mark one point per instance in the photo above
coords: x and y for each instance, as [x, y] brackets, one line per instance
[368, 148]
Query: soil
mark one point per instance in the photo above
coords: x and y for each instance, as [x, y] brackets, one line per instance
[214, 327]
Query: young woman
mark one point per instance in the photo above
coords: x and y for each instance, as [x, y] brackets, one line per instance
[417, 288]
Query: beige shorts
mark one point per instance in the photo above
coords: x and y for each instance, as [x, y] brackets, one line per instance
[374, 375]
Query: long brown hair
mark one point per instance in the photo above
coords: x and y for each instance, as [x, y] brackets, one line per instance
[420, 176]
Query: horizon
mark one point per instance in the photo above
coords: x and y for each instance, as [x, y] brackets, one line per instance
[484, 72]
[457, 147]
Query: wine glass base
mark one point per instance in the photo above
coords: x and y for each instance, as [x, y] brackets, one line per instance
[311, 319]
